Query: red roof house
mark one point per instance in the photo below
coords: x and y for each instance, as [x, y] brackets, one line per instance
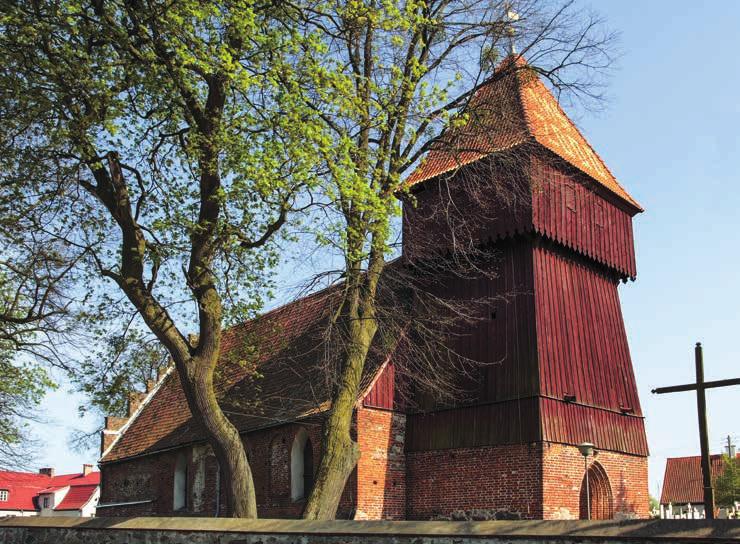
[682, 482]
[47, 494]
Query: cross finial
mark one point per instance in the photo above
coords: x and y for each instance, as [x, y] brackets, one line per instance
[511, 18]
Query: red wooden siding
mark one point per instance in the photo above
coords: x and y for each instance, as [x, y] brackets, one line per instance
[503, 339]
[556, 360]
[511, 422]
[482, 203]
[570, 423]
[555, 203]
[565, 210]
[382, 393]
[581, 339]
[524, 421]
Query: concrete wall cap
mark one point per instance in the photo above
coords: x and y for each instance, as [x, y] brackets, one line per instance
[683, 530]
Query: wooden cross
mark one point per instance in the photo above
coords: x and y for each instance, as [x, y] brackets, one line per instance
[701, 403]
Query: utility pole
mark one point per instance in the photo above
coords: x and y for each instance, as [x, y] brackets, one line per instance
[701, 404]
[730, 448]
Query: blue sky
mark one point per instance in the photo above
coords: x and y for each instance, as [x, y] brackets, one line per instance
[670, 133]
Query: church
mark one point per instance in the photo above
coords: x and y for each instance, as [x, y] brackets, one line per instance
[562, 377]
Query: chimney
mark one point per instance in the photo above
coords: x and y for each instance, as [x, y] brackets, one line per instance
[134, 401]
[86, 469]
[150, 385]
[113, 426]
[161, 372]
[106, 439]
[48, 471]
[113, 423]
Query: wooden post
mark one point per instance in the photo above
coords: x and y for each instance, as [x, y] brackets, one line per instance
[588, 491]
[701, 404]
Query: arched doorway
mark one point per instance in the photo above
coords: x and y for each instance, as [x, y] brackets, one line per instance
[599, 492]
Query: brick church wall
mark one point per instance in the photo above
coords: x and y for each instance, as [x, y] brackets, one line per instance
[484, 483]
[563, 471]
[531, 481]
[151, 478]
[381, 471]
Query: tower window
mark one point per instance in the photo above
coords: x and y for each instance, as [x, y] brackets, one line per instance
[301, 466]
[4, 495]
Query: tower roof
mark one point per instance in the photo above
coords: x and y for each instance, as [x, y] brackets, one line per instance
[512, 109]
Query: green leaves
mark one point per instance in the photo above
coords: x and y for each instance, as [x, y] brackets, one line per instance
[727, 483]
[165, 147]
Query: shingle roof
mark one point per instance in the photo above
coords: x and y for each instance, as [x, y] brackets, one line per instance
[682, 482]
[515, 108]
[291, 383]
[24, 487]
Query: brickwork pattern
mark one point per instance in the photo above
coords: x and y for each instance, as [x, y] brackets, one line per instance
[151, 478]
[491, 480]
[381, 471]
[563, 471]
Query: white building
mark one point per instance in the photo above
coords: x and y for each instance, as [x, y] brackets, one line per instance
[45, 494]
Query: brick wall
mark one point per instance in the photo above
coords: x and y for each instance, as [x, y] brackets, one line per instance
[145, 479]
[151, 478]
[487, 482]
[381, 471]
[563, 471]
[529, 481]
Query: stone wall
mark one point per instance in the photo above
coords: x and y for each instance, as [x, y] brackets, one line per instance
[233, 531]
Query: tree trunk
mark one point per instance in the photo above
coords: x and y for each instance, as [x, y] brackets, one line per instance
[341, 453]
[338, 459]
[227, 445]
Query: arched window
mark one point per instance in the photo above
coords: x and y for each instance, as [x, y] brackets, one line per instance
[180, 485]
[599, 494]
[301, 466]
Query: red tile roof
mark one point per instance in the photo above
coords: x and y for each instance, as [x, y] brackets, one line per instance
[682, 482]
[24, 487]
[291, 383]
[77, 497]
[53, 489]
[515, 108]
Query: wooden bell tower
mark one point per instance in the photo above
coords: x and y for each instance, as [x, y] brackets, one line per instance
[559, 371]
